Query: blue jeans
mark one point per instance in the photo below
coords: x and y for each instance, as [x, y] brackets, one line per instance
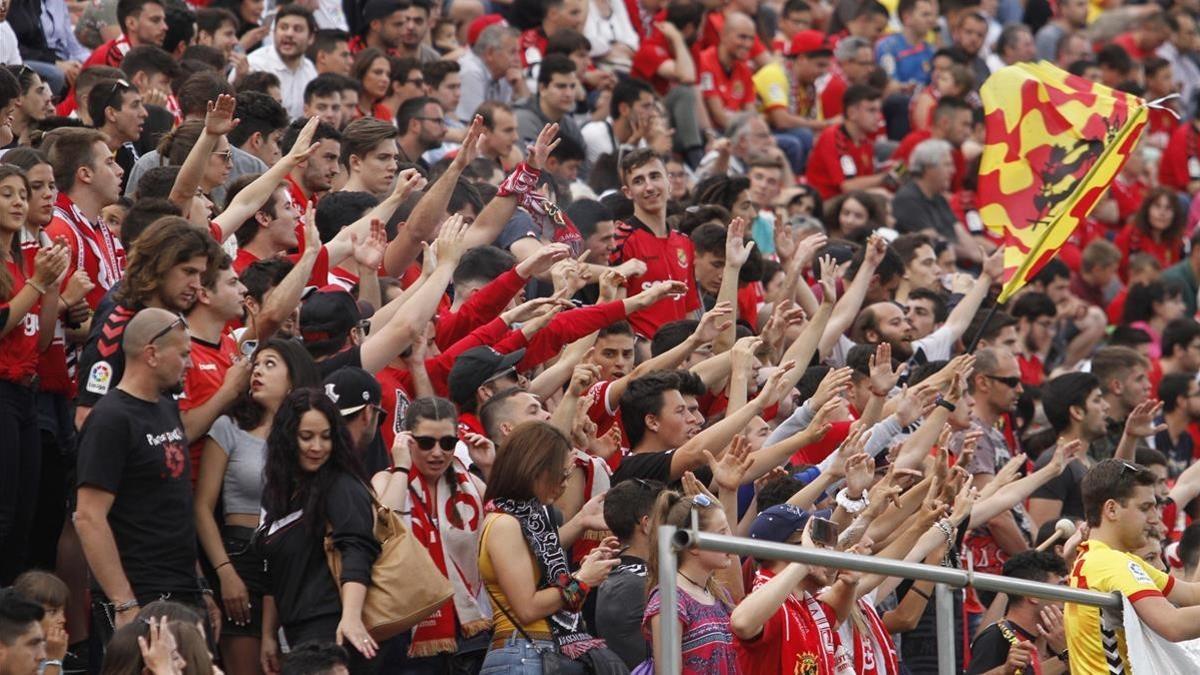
[795, 144]
[519, 657]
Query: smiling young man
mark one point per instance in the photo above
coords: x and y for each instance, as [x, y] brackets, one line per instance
[285, 58]
[668, 254]
[116, 109]
[143, 22]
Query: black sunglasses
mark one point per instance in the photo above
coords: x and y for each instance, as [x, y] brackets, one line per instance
[179, 321]
[427, 442]
[1012, 381]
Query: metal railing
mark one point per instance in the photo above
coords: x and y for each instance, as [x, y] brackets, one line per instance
[671, 540]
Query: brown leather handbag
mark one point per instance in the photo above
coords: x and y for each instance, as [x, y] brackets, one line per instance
[406, 585]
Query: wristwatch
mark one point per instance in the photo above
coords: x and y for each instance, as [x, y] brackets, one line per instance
[941, 401]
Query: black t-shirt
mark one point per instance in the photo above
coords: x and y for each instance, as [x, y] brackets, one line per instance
[137, 450]
[1067, 487]
[990, 649]
[653, 466]
[103, 360]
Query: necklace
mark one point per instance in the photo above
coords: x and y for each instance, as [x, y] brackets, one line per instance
[702, 587]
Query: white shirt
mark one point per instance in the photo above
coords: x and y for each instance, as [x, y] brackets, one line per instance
[602, 32]
[292, 82]
[10, 54]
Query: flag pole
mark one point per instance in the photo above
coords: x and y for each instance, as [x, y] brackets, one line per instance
[982, 327]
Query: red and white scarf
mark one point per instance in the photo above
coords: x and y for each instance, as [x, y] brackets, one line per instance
[97, 237]
[597, 479]
[804, 618]
[865, 662]
[451, 534]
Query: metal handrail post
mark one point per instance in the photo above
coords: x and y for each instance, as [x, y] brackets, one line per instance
[944, 607]
[671, 659]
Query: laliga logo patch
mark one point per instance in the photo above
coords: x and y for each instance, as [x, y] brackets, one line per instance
[99, 378]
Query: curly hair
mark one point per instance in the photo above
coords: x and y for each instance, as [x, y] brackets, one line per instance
[168, 242]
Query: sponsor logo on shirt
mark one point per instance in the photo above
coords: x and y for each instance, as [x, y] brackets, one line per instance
[1139, 574]
[99, 378]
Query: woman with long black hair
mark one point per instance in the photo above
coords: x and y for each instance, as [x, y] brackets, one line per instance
[314, 485]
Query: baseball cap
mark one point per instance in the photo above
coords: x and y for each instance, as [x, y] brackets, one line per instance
[809, 43]
[475, 366]
[478, 25]
[327, 315]
[781, 521]
[351, 389]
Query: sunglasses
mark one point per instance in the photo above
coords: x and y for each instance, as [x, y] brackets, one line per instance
[427, 442]
[1012, 381]
[179, 321]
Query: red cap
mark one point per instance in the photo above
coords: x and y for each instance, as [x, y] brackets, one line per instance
[808, 42]
[479, 24]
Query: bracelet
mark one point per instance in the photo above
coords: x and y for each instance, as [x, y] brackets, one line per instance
[36, 286]
[227, 562]
[945, 404]
[947, 530]
[52, 662]
[125, 606]
[573, 591]
[399, 469]
[919, 592]
[1062, 656]
[851, 506]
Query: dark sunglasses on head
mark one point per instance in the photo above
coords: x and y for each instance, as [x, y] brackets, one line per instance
[168, 328]
[427, 442]
[1011, 381]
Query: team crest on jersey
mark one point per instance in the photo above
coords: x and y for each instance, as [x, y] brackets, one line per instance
[681, 257]
[99, 378]
[807, 665]
[736, 90]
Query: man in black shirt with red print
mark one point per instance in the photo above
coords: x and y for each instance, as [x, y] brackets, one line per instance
[134, 513]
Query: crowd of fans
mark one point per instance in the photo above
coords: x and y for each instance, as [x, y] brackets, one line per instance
[544, 275]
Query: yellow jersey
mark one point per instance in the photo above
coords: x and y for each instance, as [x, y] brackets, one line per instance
[1097, 644]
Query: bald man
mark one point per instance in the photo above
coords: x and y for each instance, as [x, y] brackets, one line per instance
[725, 79]
[134, 514]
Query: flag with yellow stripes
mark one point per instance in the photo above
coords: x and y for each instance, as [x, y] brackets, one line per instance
[1054, 143]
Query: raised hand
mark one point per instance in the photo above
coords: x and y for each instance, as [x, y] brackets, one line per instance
[470, 145]
[1140, 422]
[158, 648]
[860, 472]
[532, 308]
[368, 253]
[744, 353]
[304, 147]
[542, 260]
[1064, 453]
[732, 468]
[806, 248]
[219, 119]
[876, 248]
[481, 450]
[582, 378]
[612, 285]
[737, 250]
[777, 386]
[713, 322]
[835, 383]
[408, 182]
[657, 291]
[547, 140]
[828, 281]
[883, 376]
[49, 263]
[451, 240]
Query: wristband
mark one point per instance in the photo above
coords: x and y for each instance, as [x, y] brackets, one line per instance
[52, 662]
[1062, 656]
[851, 506]
[945, 404]
[573, 591]
[125, 606]
[227, 562]
[399, 469]
[521, 181]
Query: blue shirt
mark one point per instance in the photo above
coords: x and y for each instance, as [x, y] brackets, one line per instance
[902, 61]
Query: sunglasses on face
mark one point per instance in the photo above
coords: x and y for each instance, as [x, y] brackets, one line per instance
[1012, 381]
[427, 442]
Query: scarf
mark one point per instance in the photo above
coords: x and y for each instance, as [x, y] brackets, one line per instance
[453, 543]
[808, 638]
[864, 650]
[1035, 662]
[542, 537]
[597, 479]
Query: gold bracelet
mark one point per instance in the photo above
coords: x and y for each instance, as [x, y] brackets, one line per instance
[36, 287]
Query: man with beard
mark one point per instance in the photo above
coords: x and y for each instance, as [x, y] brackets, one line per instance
[165, 269]
[1036, 329]
[314, 176]
[969, 35]
[886, 321]
[1125, 381]
[293, 34]
[1076, 410]
[422, 126]
[134, 513]
[143, 22]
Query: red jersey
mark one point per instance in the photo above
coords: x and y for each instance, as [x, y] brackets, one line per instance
[19, 347]
[829, 95]
[836, 157]
[202, 379]
[750, 298]
[299, 200]
[532, 46]
[1033, 372]
[53, 376]
[1132, 240]
[710, 35]
[734, 87]
[798, 638]
[320, 272]
[111, 53]
[94, 249]
[670, 258]
[1180, 163]
[651, 54]
[484, 305]
[1126, 41]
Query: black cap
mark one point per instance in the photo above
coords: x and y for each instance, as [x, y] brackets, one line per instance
[327, 315]
[475, 366]
[351, 389]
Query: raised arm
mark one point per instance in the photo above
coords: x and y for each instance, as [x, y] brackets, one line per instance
[495, 215]
[737, 252]
[285, 298]
[218, 121]
[247, 202]
[852, 300]
[422, 223]
[966, 309]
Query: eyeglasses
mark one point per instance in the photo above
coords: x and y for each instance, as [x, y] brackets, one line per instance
[1012, 381]
[226, 156]
[364, 326]
[415, 80]
[435, 120]
[1126, 466]
[179, 321]
[427, 442]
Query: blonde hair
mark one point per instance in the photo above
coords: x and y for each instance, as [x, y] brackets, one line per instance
[674, 508]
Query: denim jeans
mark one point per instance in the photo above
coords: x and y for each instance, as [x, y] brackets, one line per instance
[519, 657]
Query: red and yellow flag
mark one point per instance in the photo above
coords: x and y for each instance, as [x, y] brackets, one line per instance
[1054, 144]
